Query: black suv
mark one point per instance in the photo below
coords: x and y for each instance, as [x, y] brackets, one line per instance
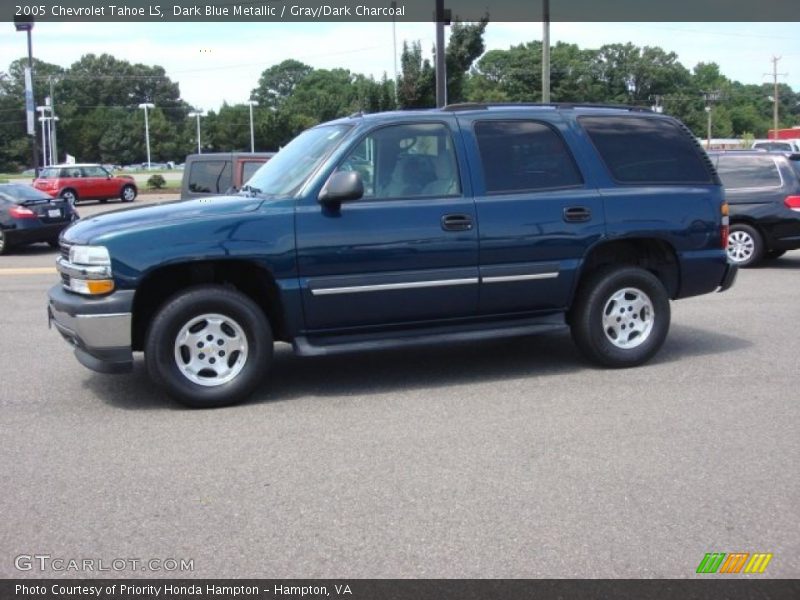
[763, 191]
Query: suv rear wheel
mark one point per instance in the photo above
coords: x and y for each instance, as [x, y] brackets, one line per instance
[209, 346]
[745, 245]
[621, 316]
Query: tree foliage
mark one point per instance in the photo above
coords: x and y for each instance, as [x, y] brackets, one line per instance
[97, 97]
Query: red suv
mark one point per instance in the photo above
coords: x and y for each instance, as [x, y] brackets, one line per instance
[85, 182]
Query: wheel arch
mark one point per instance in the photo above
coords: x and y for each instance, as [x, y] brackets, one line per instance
[251, 279]
[652, 254]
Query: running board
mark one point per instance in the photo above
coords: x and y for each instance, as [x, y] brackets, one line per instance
[322, 346]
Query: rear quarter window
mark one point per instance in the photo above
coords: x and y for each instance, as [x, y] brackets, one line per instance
[642, 150]
[519, 156]
[743, 172]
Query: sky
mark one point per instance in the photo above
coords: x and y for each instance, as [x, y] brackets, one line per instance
[221, 62]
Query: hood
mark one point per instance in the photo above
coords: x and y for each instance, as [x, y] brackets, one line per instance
[90, 230]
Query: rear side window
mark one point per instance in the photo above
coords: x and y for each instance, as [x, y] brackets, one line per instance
[640, 150]
[741, 172]
[520, 156]
[210, 176]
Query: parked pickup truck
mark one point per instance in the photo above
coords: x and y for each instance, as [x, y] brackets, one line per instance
[216, 173]
[386, 230]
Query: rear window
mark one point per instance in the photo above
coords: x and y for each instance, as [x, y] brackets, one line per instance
[772, 146]
[210, 176]
[49, 173]
[741, 172]
[795, 162]
[518, 156]
[641, 150]
[22, 193]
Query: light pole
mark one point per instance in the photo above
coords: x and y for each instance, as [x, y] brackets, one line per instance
[26, 24]
[708, 135]
[197, 114]
[145, 106]
[52, 136]
[45, 121]
[251, 104]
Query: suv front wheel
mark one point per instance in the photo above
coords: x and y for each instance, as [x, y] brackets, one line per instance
[209, 346]
[621, 316]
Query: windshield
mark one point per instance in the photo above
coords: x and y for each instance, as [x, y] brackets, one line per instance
[285, 172]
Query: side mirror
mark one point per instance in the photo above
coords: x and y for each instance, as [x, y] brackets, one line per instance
[341, 187]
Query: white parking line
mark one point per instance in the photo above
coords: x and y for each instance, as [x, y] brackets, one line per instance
[28, 271]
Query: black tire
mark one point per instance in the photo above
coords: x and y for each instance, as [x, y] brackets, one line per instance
[53, 244]
[4, 245]
[193, 305]
[128, 193]
[745, 245]
[773, 254]
[644, 330]
[70, 196]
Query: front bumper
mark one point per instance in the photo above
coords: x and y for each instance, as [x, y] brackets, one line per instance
[99, 329]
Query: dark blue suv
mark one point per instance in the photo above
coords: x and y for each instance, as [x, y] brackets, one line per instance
[385, 230]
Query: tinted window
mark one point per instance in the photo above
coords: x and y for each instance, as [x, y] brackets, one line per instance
[210, 176]
[795, 162]
[748, 172]
[406, 161]
[646, 150]
[524, 155]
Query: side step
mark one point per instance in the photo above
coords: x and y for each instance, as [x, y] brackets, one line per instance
[322, 346]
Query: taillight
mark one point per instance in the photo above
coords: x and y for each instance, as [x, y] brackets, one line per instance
[724, 229]
[792, 202]
[20, 212]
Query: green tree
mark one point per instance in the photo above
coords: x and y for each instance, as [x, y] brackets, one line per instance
[415, 86]
[277, 83]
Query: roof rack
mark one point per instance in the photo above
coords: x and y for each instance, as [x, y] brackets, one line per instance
[564, 105]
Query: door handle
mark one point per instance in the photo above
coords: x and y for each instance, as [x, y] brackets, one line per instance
[577, 214]
[456, 222]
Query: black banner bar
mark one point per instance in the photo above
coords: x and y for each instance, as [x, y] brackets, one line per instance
[402, 589]
[276, 11]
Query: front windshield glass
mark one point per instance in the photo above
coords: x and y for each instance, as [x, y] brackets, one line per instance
[285, 172]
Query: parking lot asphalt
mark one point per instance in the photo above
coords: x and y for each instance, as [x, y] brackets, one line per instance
[499, 459]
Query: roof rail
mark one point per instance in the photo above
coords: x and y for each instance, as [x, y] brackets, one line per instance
[564, 105]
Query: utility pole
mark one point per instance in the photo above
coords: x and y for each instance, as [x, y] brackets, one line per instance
[546, 51]
[442, 19]
[394, 47]
[775, 74]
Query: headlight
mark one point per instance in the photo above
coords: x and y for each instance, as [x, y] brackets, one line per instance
[89, 255]
[88, 270]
